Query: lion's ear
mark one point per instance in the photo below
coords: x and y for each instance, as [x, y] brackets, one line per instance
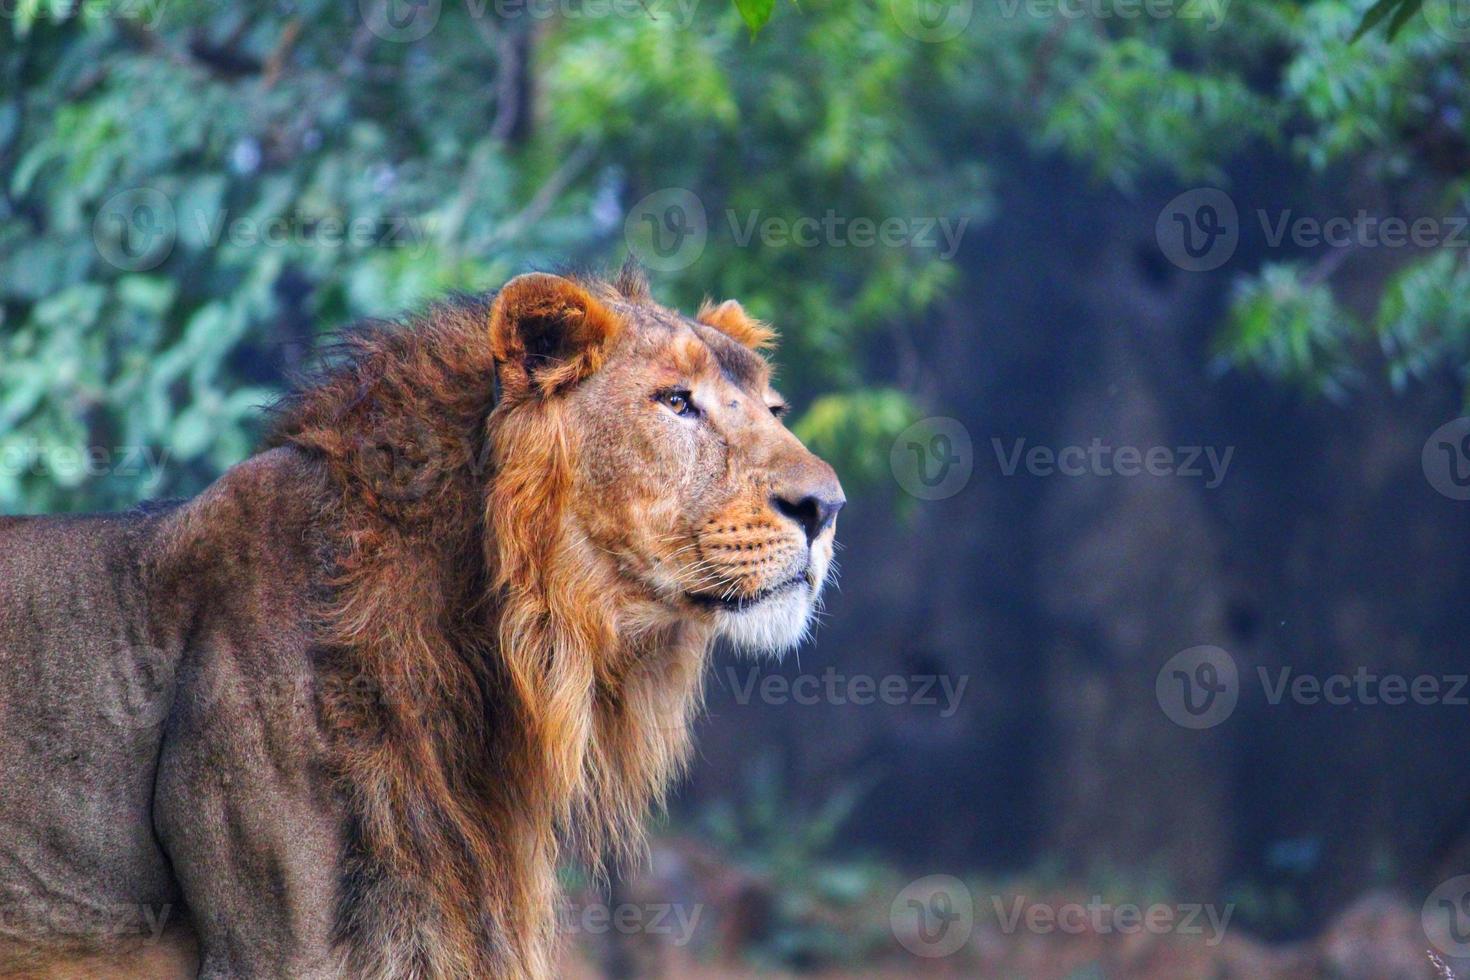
[547, 333]
[731, 319]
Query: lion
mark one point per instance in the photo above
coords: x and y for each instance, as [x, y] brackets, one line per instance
[344, 713]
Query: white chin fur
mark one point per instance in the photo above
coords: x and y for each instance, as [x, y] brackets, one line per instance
[771, 627]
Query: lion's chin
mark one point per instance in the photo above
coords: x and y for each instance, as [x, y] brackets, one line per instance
[771, 626]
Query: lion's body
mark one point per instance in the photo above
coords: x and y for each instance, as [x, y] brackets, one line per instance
[147, 665]
[63, 688]
[339, 715]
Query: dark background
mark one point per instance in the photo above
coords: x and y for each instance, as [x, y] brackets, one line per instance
[171, 174]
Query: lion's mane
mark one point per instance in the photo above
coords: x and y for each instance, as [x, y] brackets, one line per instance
[486, 709]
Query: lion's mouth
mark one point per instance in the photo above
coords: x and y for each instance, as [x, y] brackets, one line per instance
[739, 603]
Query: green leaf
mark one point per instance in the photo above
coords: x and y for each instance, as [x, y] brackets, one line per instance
[755, 13]
[1407, 10]
[1401, 10]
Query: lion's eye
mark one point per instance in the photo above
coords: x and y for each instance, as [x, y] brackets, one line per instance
[678, 402]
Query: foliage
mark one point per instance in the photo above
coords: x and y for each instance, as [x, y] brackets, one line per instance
[1181, 97]
[174, 192]
[516, 136]
[1288, 325]
[1394, 13]
[821, 907]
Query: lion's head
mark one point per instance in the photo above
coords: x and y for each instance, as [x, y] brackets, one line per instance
[683, 478]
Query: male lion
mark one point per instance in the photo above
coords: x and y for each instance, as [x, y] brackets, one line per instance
[338, 715]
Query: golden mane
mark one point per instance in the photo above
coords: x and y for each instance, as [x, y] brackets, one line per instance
[485, 706]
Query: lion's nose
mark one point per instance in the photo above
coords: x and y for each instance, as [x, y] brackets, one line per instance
[815, 510]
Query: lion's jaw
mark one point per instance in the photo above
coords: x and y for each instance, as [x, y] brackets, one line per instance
[768, 615]
[779, 618]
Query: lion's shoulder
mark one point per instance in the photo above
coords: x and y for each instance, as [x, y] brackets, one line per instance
[251, 536]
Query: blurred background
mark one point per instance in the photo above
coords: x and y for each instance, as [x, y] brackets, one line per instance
[1138, 330]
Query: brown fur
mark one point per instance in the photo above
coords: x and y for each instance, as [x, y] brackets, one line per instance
[470, 769]
[731, 317]
[399, 665]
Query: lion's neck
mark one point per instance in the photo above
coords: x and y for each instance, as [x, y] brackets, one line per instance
[517, 723]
